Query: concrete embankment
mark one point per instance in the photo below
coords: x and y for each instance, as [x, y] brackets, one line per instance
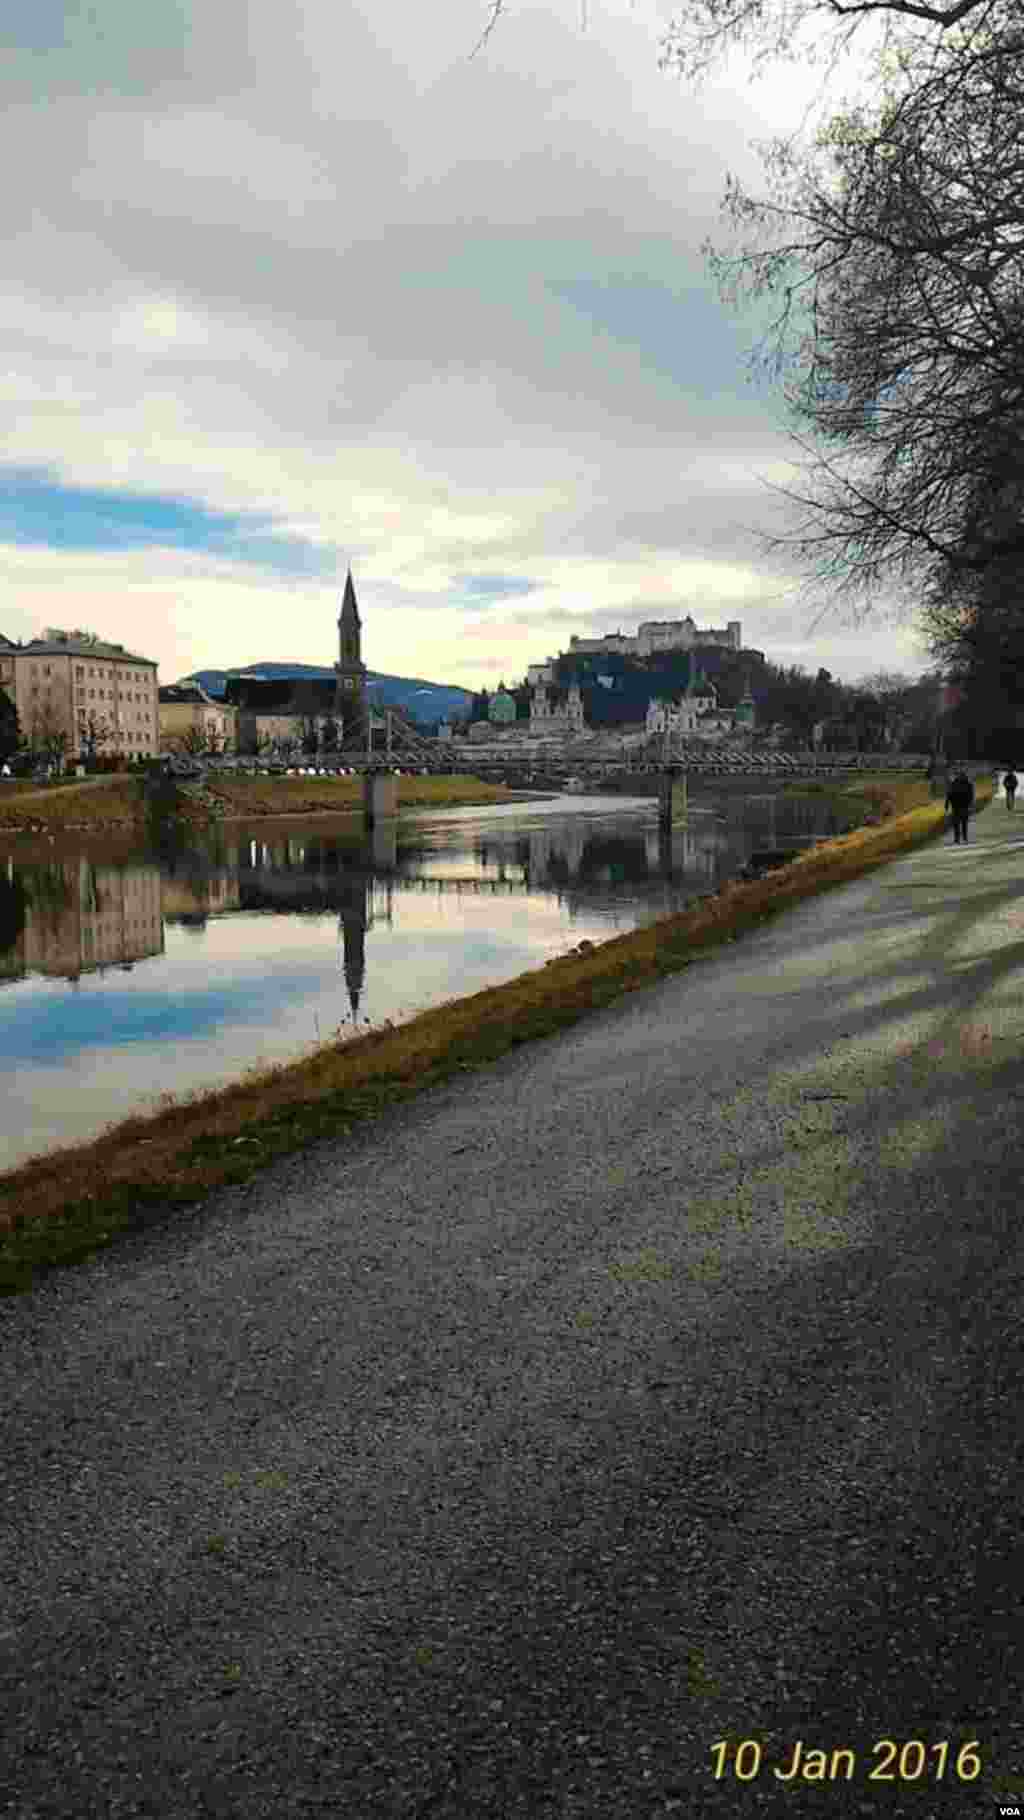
[659, 1385]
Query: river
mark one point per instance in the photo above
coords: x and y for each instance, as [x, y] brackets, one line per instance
[128, 977]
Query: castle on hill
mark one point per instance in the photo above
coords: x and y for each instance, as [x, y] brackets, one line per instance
[654, 679]
[661, 635]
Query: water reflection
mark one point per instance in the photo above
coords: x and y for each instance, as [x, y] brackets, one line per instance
[72, 916]
[67, 917]
[203, 955]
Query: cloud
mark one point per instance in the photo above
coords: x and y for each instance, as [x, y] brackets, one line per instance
[36, 510]
[293, 287]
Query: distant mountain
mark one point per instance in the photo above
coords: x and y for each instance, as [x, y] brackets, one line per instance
[421, 701]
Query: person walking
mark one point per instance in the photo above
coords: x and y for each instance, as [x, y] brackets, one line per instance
[959, 798]
[1010, 782]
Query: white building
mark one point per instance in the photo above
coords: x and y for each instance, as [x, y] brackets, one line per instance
[541, 673]
[662, 635]
[680, 712]
[555, 710]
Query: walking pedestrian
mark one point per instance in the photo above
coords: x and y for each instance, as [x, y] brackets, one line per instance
[1010, 782]
[959, 798]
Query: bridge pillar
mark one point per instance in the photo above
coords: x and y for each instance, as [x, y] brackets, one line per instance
[380, 797]
[672, 800]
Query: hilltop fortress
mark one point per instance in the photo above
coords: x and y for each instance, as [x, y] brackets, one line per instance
[661, 635]
[654, 678]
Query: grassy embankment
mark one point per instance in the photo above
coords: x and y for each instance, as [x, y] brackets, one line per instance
[96, 805]
[67, 1204]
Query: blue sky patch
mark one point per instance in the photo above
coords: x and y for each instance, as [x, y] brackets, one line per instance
[683, 335]
[37, 509]
[494, 587]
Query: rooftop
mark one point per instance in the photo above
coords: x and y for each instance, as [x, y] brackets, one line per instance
[183, 692]
[68, 645]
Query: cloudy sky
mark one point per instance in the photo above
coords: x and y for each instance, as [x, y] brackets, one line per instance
[296, 285]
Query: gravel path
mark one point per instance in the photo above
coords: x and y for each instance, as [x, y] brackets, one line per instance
[656, 1386]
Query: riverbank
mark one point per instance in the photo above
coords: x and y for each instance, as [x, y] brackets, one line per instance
[68, 1203]
[101, 805]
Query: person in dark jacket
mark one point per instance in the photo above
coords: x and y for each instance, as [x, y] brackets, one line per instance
[959, 798]
[1010, 786]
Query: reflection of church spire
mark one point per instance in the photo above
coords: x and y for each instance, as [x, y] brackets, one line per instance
[352, 904]
[354, 937]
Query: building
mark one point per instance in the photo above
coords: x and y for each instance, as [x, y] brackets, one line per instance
[281, 713]
[501, 708]
[556, 710]
[541, 673]
[662, 635]
[680, 712]
[77, 694]
[350, 669]
[191, 721]
[745, 708]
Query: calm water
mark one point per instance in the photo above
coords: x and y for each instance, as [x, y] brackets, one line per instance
[181, 966]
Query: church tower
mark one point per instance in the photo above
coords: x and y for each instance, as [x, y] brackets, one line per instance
[350, 671]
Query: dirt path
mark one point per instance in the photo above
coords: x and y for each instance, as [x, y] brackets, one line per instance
[657, 1386]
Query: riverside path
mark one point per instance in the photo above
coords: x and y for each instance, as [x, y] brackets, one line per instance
[658, 1386]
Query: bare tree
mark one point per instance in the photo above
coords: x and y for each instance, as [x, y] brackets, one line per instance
[890, 252]
[193, 742]
[309, 735]
[894, 263]
[46, 729]
[94, 734]
[706, 32]
[10, 727]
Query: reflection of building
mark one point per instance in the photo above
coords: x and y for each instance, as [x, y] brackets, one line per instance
[96, 695]
[294, 873]
[200, 893]
[80, 918]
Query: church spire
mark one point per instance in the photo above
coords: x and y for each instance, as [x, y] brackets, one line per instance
[350, 670]
[349, 615]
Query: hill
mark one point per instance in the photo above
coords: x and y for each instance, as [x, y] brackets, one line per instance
[422, 701]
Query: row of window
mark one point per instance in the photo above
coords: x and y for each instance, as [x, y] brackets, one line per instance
[113, 671]
[104, 696]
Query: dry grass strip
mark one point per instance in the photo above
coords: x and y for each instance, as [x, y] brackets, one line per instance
[98, 803]
[90, 802]
[65, 1205]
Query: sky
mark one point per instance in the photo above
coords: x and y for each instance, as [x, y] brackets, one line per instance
[300, 285]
